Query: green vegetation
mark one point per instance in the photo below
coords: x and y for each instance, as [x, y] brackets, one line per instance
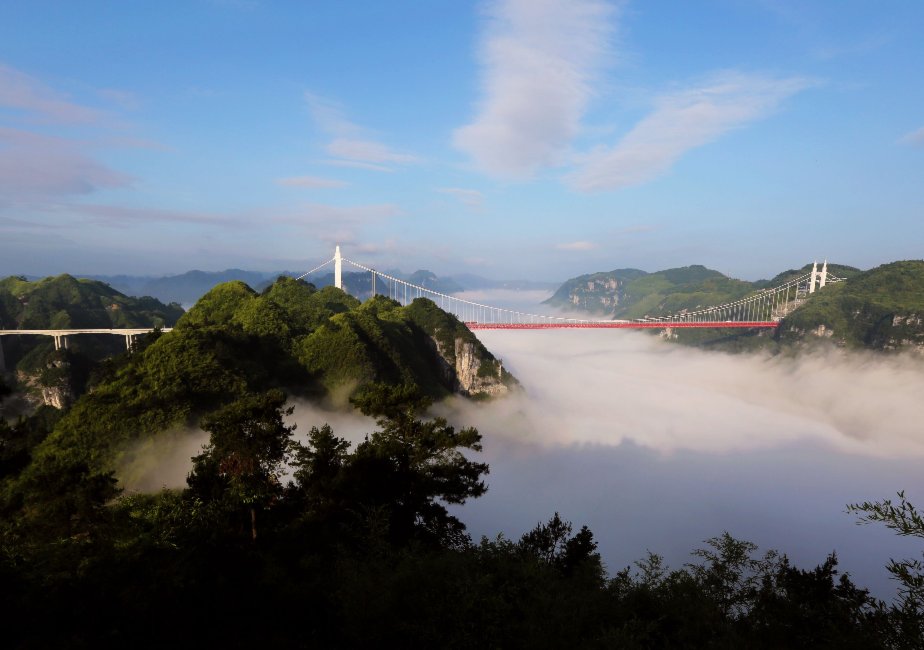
[234, 342]
[880, 309]
[64, 302]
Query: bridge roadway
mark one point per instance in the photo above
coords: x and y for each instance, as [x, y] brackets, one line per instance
[60, 336]
[620, 325]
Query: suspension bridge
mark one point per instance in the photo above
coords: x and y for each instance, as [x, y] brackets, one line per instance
[763, 308]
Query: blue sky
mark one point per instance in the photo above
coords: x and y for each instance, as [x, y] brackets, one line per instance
[514, 139]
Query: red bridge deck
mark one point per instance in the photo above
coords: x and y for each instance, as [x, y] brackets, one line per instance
[618, 325]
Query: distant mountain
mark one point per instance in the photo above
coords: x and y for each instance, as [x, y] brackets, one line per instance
[130, 285]
[428, 280]
[631, 293]
[188, 287]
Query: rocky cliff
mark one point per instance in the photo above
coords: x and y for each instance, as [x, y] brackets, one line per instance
[465, 368]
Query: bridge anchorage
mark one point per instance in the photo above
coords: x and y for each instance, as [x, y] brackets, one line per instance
[763, 308]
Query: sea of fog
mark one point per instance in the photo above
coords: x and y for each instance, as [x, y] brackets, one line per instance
[659, 447]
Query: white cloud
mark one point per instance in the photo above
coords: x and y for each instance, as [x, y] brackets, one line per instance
[680, 122]
[539, 59]
[312, 182]
[576, 246]
[329, 115]
[349, 146]
[915, 138]
[332, 224]
[471, 198]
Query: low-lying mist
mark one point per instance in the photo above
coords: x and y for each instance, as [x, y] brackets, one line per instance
[659, 447]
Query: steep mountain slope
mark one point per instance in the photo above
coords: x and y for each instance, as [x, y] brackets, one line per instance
[64, 302]
[314, 344]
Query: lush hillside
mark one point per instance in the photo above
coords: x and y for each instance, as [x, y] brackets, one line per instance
[881, 309]
[317, 344]
[64, 302]
[630, 293]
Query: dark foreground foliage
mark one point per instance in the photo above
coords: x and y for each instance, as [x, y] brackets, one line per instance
[355, 548]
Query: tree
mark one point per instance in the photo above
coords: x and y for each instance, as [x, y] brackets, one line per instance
[246, 455]
[552, 544]
[412, 466]
[907, 521]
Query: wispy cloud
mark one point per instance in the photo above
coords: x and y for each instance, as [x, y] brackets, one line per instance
[350, 146]
[915, 138]
[471, 198]
[310, 182]
[539, 59]
[576, 246]
[38, 167]
[120, 215]
[25, 93]
[682, 121]
[355, 164]
[349, 216]
[367, 151]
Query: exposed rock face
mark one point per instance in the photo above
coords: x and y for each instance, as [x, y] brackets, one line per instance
[470, 379]
[463, 370]
[597, 294]
[51, 387]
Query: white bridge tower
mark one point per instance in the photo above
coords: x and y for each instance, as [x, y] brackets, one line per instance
[818, 278]
[338, 268]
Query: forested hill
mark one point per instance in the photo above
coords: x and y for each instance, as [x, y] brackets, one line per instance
[235, 342]
[631, 293]
[64, 302]
[880, 309]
